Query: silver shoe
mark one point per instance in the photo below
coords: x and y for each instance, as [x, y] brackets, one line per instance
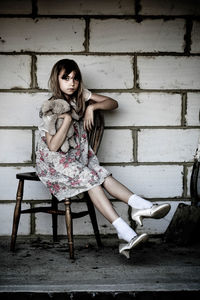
[124, 249]
[157, 211]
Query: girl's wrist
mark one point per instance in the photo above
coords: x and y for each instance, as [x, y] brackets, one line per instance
[92, 106]
[68, 117]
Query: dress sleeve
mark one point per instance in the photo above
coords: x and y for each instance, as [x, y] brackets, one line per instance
[44, 126]
[86, 94]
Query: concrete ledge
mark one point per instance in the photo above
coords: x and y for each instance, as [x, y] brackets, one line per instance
[155, 269]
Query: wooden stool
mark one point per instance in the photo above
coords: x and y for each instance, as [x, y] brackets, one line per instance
[95, 137]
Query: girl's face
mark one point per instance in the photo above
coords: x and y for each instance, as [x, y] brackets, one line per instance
[68, 83]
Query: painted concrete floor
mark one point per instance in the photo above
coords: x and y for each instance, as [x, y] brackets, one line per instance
[41, 266]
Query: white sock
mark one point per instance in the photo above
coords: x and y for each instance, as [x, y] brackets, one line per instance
[124, 231]
[138, 202]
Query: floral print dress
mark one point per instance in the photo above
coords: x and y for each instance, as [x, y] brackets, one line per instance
[72, 173]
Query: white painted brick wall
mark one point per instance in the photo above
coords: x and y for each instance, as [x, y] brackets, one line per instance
[145, 109]
[6, 219]
[16, 71]
[169, 72]
[151, 181]
[170, 7]
[195, 48]
[25, 108]
[16, 7]
[105, 42]
[99, 72]
[86, 7]
[33, 190]
[165, 145]
[193, 109]
[114, 146]
[16, 146]
[130, 36]
[42, 34]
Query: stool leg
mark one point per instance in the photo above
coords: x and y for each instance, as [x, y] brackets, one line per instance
[93, 218]
[69, 226]
[17, 213]
[54, 218]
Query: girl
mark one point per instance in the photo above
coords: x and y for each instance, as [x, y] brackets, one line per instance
[78, 170]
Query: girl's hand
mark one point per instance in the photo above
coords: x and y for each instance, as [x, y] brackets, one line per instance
[89, 118]
[65, 116]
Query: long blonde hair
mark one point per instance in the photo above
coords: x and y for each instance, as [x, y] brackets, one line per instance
[68, 65]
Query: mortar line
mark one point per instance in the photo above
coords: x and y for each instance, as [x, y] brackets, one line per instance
[34, 9]
[135, 145]
[141, 17]
[33, 148]
[187, 36]
[87, 34]
[83, 53]
[34, 84]
[136, 75]
[114, 90]
[32, 219]
[185, 181]
[183, 109]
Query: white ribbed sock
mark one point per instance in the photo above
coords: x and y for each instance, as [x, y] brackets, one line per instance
[138, 202]
[124, 231]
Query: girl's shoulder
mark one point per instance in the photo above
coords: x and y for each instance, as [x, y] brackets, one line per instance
[86, 94]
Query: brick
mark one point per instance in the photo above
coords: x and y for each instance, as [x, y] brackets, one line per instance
[159, 226]
[170, 7]
[25, 108]
[86, 7]
[169, 72]
[116, 146]
[42, 34]
[195, 47]
[16, 71]
[131, 36]
[16, 7]
[6, 220]
[165, 145]
[144, 109]
[81, 226]
[99, 72]
[16, 146]
[33, 190]
[151, 181]
[193, 109]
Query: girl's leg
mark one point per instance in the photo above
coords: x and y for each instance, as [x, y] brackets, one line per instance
[105, 207]
[121, 192]
[117, 189]
[102, 203]
[140, 207]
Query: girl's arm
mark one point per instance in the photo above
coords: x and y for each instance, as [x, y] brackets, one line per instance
[100, 102]
[54, 142]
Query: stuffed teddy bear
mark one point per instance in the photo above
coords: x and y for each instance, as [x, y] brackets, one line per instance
[50, 110]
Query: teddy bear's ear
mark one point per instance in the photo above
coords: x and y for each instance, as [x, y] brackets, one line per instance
[47, 106]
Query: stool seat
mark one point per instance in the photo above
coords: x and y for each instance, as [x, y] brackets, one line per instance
[28, 176]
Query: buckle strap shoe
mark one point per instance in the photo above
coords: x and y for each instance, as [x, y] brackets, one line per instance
[124, 249]
[157, 211]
